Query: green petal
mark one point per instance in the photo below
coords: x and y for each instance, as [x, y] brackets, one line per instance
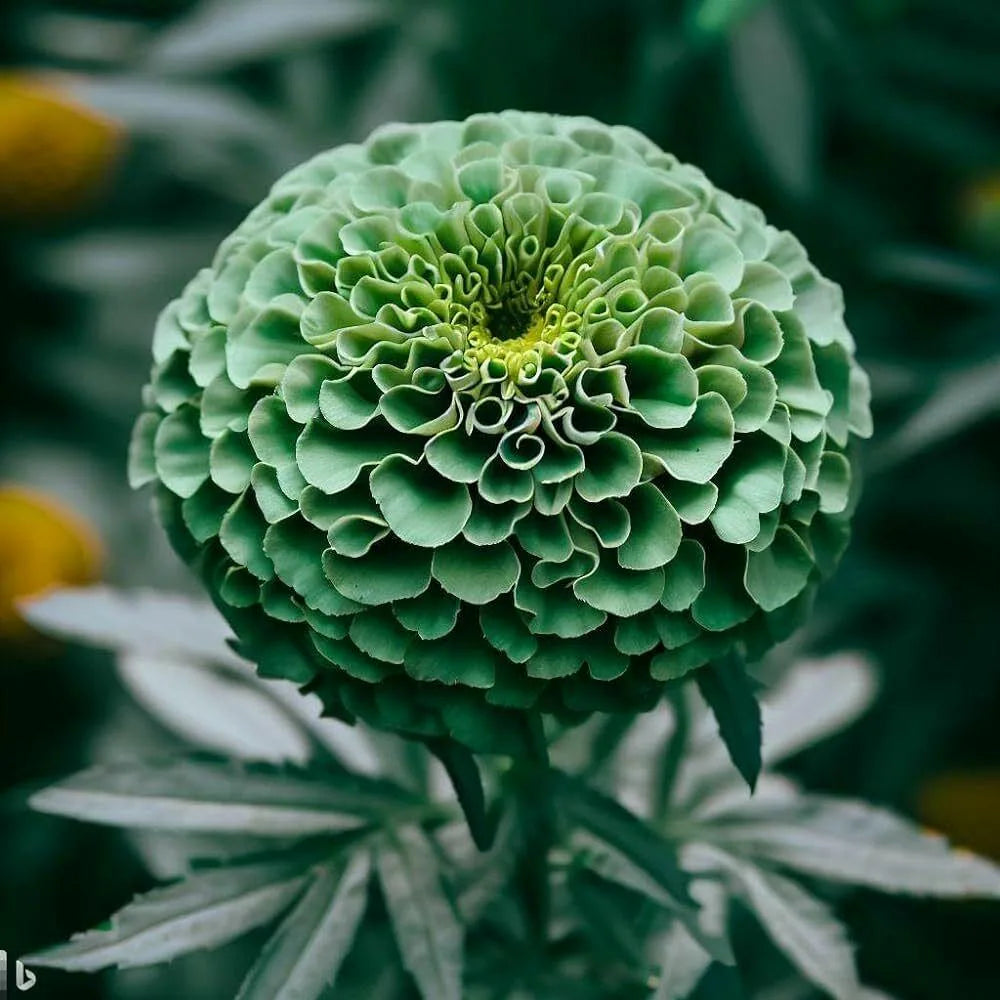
[780, 572]
[724, 602]
[270, 337]
[614, 465]
[141, 462]
[345, 655]
[231, 459]
[296, 549]
[420, 506]
[475, 574]
[377, 633]
[331, 460]
[620, 592]
[751, 485]
[203, 511]
[684, 576]
[458, 456]
[490, 523]
[663, 388]
[506, 631]
[181, 452]
[242, 536]
[834, 483]
[273, 503]
[349, 402]
[455, 659]
[696, 452]
[431, 615]
[389, 572]
[655, 533]
[556, 611]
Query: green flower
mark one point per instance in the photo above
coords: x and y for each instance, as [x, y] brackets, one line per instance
[482, 419]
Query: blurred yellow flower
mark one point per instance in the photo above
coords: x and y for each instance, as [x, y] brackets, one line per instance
[965, 806]
[42, 545]
[980, 213]
[54, 152]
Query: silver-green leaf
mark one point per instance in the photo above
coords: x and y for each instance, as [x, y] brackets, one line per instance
[202, 911]
[423, 917]
[215, 797]
[306, 952]
[799, 924]
[849, 841]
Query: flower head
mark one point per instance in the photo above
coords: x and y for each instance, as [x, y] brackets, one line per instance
[516, 414]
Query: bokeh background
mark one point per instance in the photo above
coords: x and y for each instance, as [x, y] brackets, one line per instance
[134, 134]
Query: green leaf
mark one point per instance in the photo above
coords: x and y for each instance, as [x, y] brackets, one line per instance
[621, 848]
[775, 96]
[963, 399]
[423, 918]
[726, 687]
[220, 798]
[214, 709]
[608, 914]
[143, 621]
[306, 952]
[202, 911]
[799, 924]
[813, 701]
[463, 771]
[220, 35]
[848, 841]
[937, 269]
[683, 962]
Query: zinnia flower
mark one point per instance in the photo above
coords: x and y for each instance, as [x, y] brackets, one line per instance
[482, 419]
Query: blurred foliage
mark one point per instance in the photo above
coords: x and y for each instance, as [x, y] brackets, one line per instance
[866, 126]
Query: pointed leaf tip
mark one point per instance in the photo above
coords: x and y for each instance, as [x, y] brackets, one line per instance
[727, 688]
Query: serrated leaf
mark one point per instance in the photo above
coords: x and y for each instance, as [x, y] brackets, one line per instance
[623, 849]
[609, 920]
[423, 918]
[306, 952]
[813, 701]
[725, 685]
[213, 709]
[202, 911]
[215, 797]
[141, 621]
[799, 924]
[938, 269]
[683, 962]
[479, 877]
[223, 34]
[174, 110]
[848, 841]
[775, 96]
[960, 401]
[460, 765]
[169, 856]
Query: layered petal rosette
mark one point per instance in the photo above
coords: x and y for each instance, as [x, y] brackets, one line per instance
[477, 420]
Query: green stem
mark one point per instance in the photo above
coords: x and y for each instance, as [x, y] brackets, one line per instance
[532, 791]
